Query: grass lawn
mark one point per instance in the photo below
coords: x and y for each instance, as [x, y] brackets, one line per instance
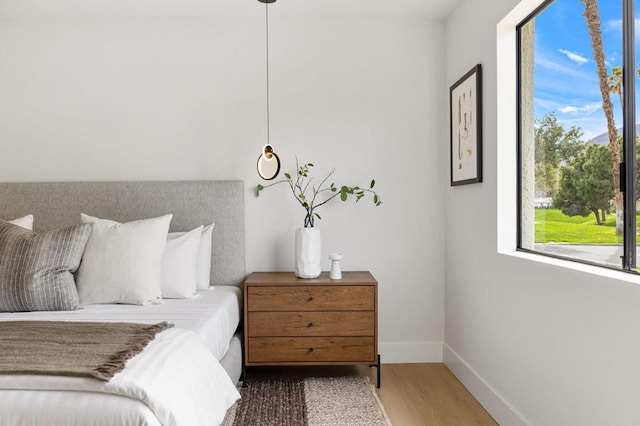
[554, 226]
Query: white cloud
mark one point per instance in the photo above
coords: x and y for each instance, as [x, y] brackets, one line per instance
[586, 109]
[555, 67]
[546, 104]
[578, 59]
[616, 25]
[543, 61]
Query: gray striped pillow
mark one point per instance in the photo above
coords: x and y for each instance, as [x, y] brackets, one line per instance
[36, 270]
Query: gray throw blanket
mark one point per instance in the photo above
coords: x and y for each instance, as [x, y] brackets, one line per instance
[65, 348]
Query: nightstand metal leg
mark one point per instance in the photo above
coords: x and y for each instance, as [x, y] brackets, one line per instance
[243, 375]
[378, 367]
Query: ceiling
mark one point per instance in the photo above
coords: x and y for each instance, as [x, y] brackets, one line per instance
[27, 9]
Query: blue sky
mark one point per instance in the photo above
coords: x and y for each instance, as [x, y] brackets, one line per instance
[566, 81]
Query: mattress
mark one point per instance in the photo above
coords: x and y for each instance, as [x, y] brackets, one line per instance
[213, 314]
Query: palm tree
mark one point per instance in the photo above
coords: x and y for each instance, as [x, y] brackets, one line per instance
[592, 16]
[615, 87]
[615, 82]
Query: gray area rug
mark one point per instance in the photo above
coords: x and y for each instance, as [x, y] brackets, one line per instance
[334, 401]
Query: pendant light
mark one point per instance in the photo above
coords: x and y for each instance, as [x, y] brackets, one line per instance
[268, 162]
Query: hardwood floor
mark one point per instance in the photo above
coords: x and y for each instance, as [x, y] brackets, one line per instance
[428, 394]
[412, 394]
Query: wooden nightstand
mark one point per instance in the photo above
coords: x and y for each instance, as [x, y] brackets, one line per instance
[292, 321]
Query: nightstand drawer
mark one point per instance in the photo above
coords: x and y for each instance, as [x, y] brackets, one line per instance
[353, 323]
[306, 298]
[311, 349]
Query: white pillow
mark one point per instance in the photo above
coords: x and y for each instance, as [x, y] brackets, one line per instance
[204, 256]
[25, 222]
[179, 264]
[122, 262]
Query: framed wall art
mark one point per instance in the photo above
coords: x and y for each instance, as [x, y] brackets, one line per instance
[466, 128]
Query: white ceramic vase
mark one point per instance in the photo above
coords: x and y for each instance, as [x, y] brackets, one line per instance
[308, 252]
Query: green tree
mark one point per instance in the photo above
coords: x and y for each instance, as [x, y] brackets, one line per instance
[553, 147]
[567, 198]
[586, 185]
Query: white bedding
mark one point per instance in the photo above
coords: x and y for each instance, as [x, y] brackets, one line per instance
[213, 314]
[175, 378]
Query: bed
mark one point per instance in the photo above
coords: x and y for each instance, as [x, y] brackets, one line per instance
[213, 315]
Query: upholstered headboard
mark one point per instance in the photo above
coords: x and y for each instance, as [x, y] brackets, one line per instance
[192, 203]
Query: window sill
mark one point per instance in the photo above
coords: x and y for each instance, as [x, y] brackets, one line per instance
[575, 266]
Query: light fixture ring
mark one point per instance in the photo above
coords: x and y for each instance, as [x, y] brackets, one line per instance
[268, 164]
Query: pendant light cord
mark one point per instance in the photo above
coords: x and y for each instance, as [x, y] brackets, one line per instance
[266, 14]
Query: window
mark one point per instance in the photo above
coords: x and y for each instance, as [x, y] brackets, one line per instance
[576, 132]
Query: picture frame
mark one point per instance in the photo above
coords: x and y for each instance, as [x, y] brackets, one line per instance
[465, 102]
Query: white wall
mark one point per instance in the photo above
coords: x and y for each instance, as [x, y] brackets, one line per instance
[94, 91]
[536, 343]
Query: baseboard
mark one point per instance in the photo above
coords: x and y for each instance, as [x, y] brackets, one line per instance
[491, 400]
[410, 352]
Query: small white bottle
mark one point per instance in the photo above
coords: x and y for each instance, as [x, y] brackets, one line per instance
[336, 272]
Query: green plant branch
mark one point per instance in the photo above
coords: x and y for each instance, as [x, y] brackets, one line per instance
[263, 187]
[303, 183]
[307, 186]
[327, 200]
[316, 192]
